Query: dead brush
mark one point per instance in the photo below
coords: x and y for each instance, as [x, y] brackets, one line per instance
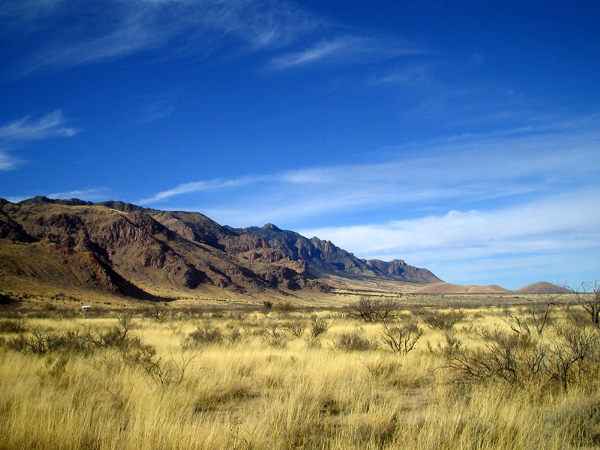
[401, 338]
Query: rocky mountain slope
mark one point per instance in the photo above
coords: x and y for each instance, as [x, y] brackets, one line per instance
[135, 251]
[324, 259]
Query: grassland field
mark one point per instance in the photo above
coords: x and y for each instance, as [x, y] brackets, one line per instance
[437, 373]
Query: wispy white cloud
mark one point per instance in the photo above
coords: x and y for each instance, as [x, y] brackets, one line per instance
[19, 132]
[26, 129]
[200, 186]
[83, 194]
[459, 170]
[345, 50]
[558, 221]
[110, 29]
[471, 208]
[8, 162]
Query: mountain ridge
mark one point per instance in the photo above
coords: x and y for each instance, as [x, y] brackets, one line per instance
[142, 249]
[324, 258]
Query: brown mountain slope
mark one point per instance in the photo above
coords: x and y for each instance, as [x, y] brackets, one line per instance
[140, 249]
[47, 268]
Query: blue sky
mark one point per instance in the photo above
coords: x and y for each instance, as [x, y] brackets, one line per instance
[462, 136]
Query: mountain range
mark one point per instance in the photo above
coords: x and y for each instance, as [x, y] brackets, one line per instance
[51, 245]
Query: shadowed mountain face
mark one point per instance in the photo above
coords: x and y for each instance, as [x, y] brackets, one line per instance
[325, 259]
[135, 251]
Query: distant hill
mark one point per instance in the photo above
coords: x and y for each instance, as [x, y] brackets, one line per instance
[447, 288]
[128, 250]
[542, 288]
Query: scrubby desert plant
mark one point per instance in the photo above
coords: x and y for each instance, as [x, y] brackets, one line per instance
[373, 310]
[13, 325]
[439, 320]
[401, 338]
[354, 341]
[295, 327]
[318, 326]
[207, 333]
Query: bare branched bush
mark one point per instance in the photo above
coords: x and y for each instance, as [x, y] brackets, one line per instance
[517, 356]
[234, 335]
[294, 327]
[157, 312]
[273, 336]
[401, 338]
[505, 355]
[373, 310]
[443, 320]
[165, 370]
[587, 296]
[118, 336]
[575, 354]
[40, 341]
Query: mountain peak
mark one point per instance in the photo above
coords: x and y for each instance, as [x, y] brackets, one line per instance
[271, 227]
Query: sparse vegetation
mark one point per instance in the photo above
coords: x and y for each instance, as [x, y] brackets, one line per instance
[491, 377]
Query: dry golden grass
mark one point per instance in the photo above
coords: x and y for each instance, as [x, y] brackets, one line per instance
[267, 389]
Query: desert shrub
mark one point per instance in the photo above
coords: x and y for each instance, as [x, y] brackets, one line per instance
[382, 369]
[354, 341]
[505, 355]
[234, 335]
[117, 336]
[13, 325]
[41, 341]
[574, 355]
[284, 306]
[157, 312]
[588, 298]
[516, 357]
[443, 320]
[273, 336]
[318, 326]
[205, 334]
[164, 370]
[294, 327]
[401, 338]
[372, 310]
